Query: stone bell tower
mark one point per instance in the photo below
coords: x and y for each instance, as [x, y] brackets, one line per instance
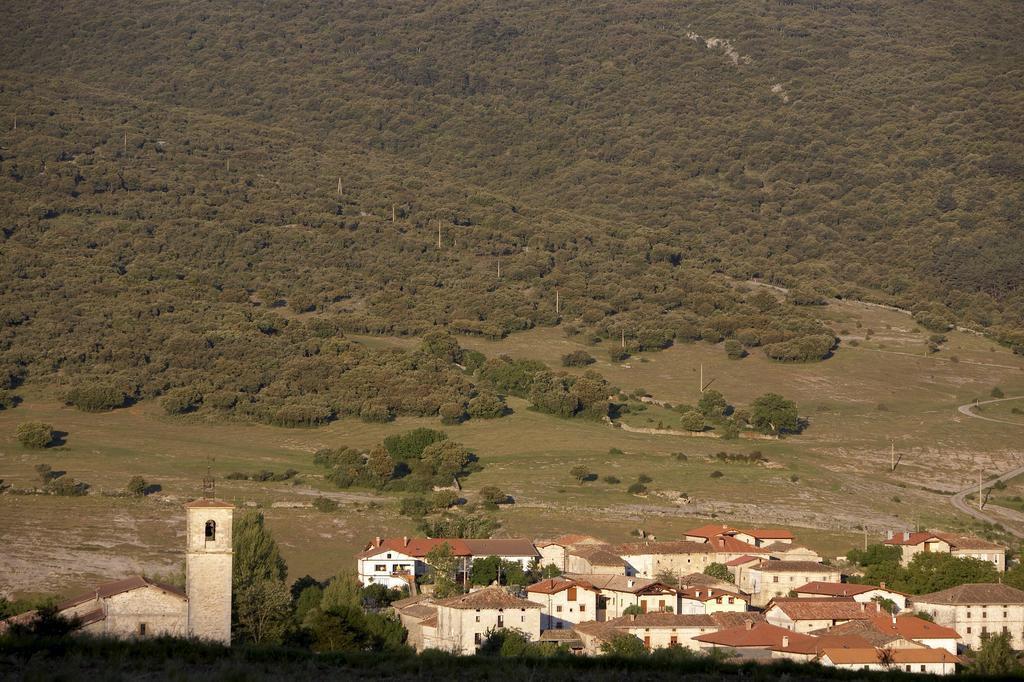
[208, 569]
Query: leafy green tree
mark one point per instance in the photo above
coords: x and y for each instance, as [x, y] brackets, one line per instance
[380, 465]
[692, 421]
[493, 495]
[771, 413]
[411, 444]
[308, 601]
[719, 571]
[486, 405]
[257, 557]
[734, 349]
[874, 554]
[712, 404]
[35, 435]
[95, 397]
[443, 499]
[443, 565]
[995, 657]
[624, 646]
[580, 473]
[577, 358]
[264, 611]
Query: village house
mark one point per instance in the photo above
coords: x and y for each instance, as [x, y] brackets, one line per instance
[564, 603]
[708, 600]
[787, 551]
[910, 628]
[619, 592]
[929, 661]
[133, 607]
[651, 559]
[754, 640]
[397, 562]
[594, 559]
[757, 537]
[418, 616]
[462, 622]
[975, 610]
[937, 542]
[805, 615]
[861, 593]
[771, 579]
[661, 630]
[553, 552]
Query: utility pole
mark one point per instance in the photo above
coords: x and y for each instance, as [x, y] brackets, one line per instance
[623, 338]
[126, 143]
[339, 186]
[892, 454]
[558, 306]
[979, 489]
[392, 213]
[499, 268]
[865, 538]
[702, 377]
[439, 234]
[15, 121]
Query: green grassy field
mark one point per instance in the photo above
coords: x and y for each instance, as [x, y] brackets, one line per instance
[827, 483]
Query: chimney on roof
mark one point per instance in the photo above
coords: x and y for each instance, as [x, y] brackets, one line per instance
[785, 641]
[748, 624]
[376, 541]
[894, 620]
[632, 617]
[862, 609]
[405, 541]
[906, 536]
[881, 585]
[630, 582]
[889, 534]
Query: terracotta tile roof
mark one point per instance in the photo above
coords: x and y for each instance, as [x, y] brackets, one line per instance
[708, 531]
[94, 616]
[745, 559]
[622, 583]
[867, 656]
[205, 502]
[729, 544]
[763, 635]
[840, 589]
[703, 593]
[817, 644]
[777, 566]
[598, 555]
[663, 620]
[599, 630]
[734, 619]
[420, 611]
[414, 547]
[107, 590]
[409, 601]
[564, 636]
[488, 598]
[501, 547]
[974, 593]
[797, 608]
[430, 622]
[955, 541]
[860, 628]
[556, 585]
[673, 547]
[912, 627]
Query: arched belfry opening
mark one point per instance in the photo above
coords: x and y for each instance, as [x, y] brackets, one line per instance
[211, 531]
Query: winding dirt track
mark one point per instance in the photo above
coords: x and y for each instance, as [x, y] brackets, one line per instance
[958, 501]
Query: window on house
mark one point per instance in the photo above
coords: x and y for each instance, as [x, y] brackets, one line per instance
[477, 638]
[984, 629]
[583, 607]
[211, 531]
[389, 556]
[380, 568]
[571, 594]
[908, 667]
[478, 619]
[968, 630]
[775, 578]
[142, 629]
[558, 608]
[674, 639]
[732, 600]
[984, 614]
[923, 668]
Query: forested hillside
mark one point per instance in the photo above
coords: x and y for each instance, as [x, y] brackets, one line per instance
[213, 192]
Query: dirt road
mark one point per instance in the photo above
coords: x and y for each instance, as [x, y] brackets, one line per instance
[966, 409]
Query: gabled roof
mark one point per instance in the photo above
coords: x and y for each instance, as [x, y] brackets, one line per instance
[563, 636]
[622, 583]
[487, 598]
[600, 630]
[704, 594]
[955, 541]
[778, 566]
[730, 545]
[797, 608]
[672, 547]
[598, 555]
[818, 587]
[766, 533]
[835, 641]
[414, 547]
[571, 539]
[708, 531]
[107, 590]
[867, 656]
[761, 635]
[556, 585]
[912, 627]
[661, 619]
[501, 547]
[734, 619]
[745, 559]
[860, 628]
[711, 530]
[974, 593]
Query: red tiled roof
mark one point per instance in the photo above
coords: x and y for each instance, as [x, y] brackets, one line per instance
[116, 587]
[871, 655]
[622, 583]
[488, 598]
[763, 635]
[501, 547]
[708, 531]
[598, 555]
[745, 559]
[727, 543]
[912, 627]
[954, 540]
[733, 619]
[414, 547]
[774, 565]
[826, 641]
[703, 593]
[838, 608]
[974, 593]
[673, 547]
[556, 585]
[767, 533]
[839, 589]
[661, 619]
